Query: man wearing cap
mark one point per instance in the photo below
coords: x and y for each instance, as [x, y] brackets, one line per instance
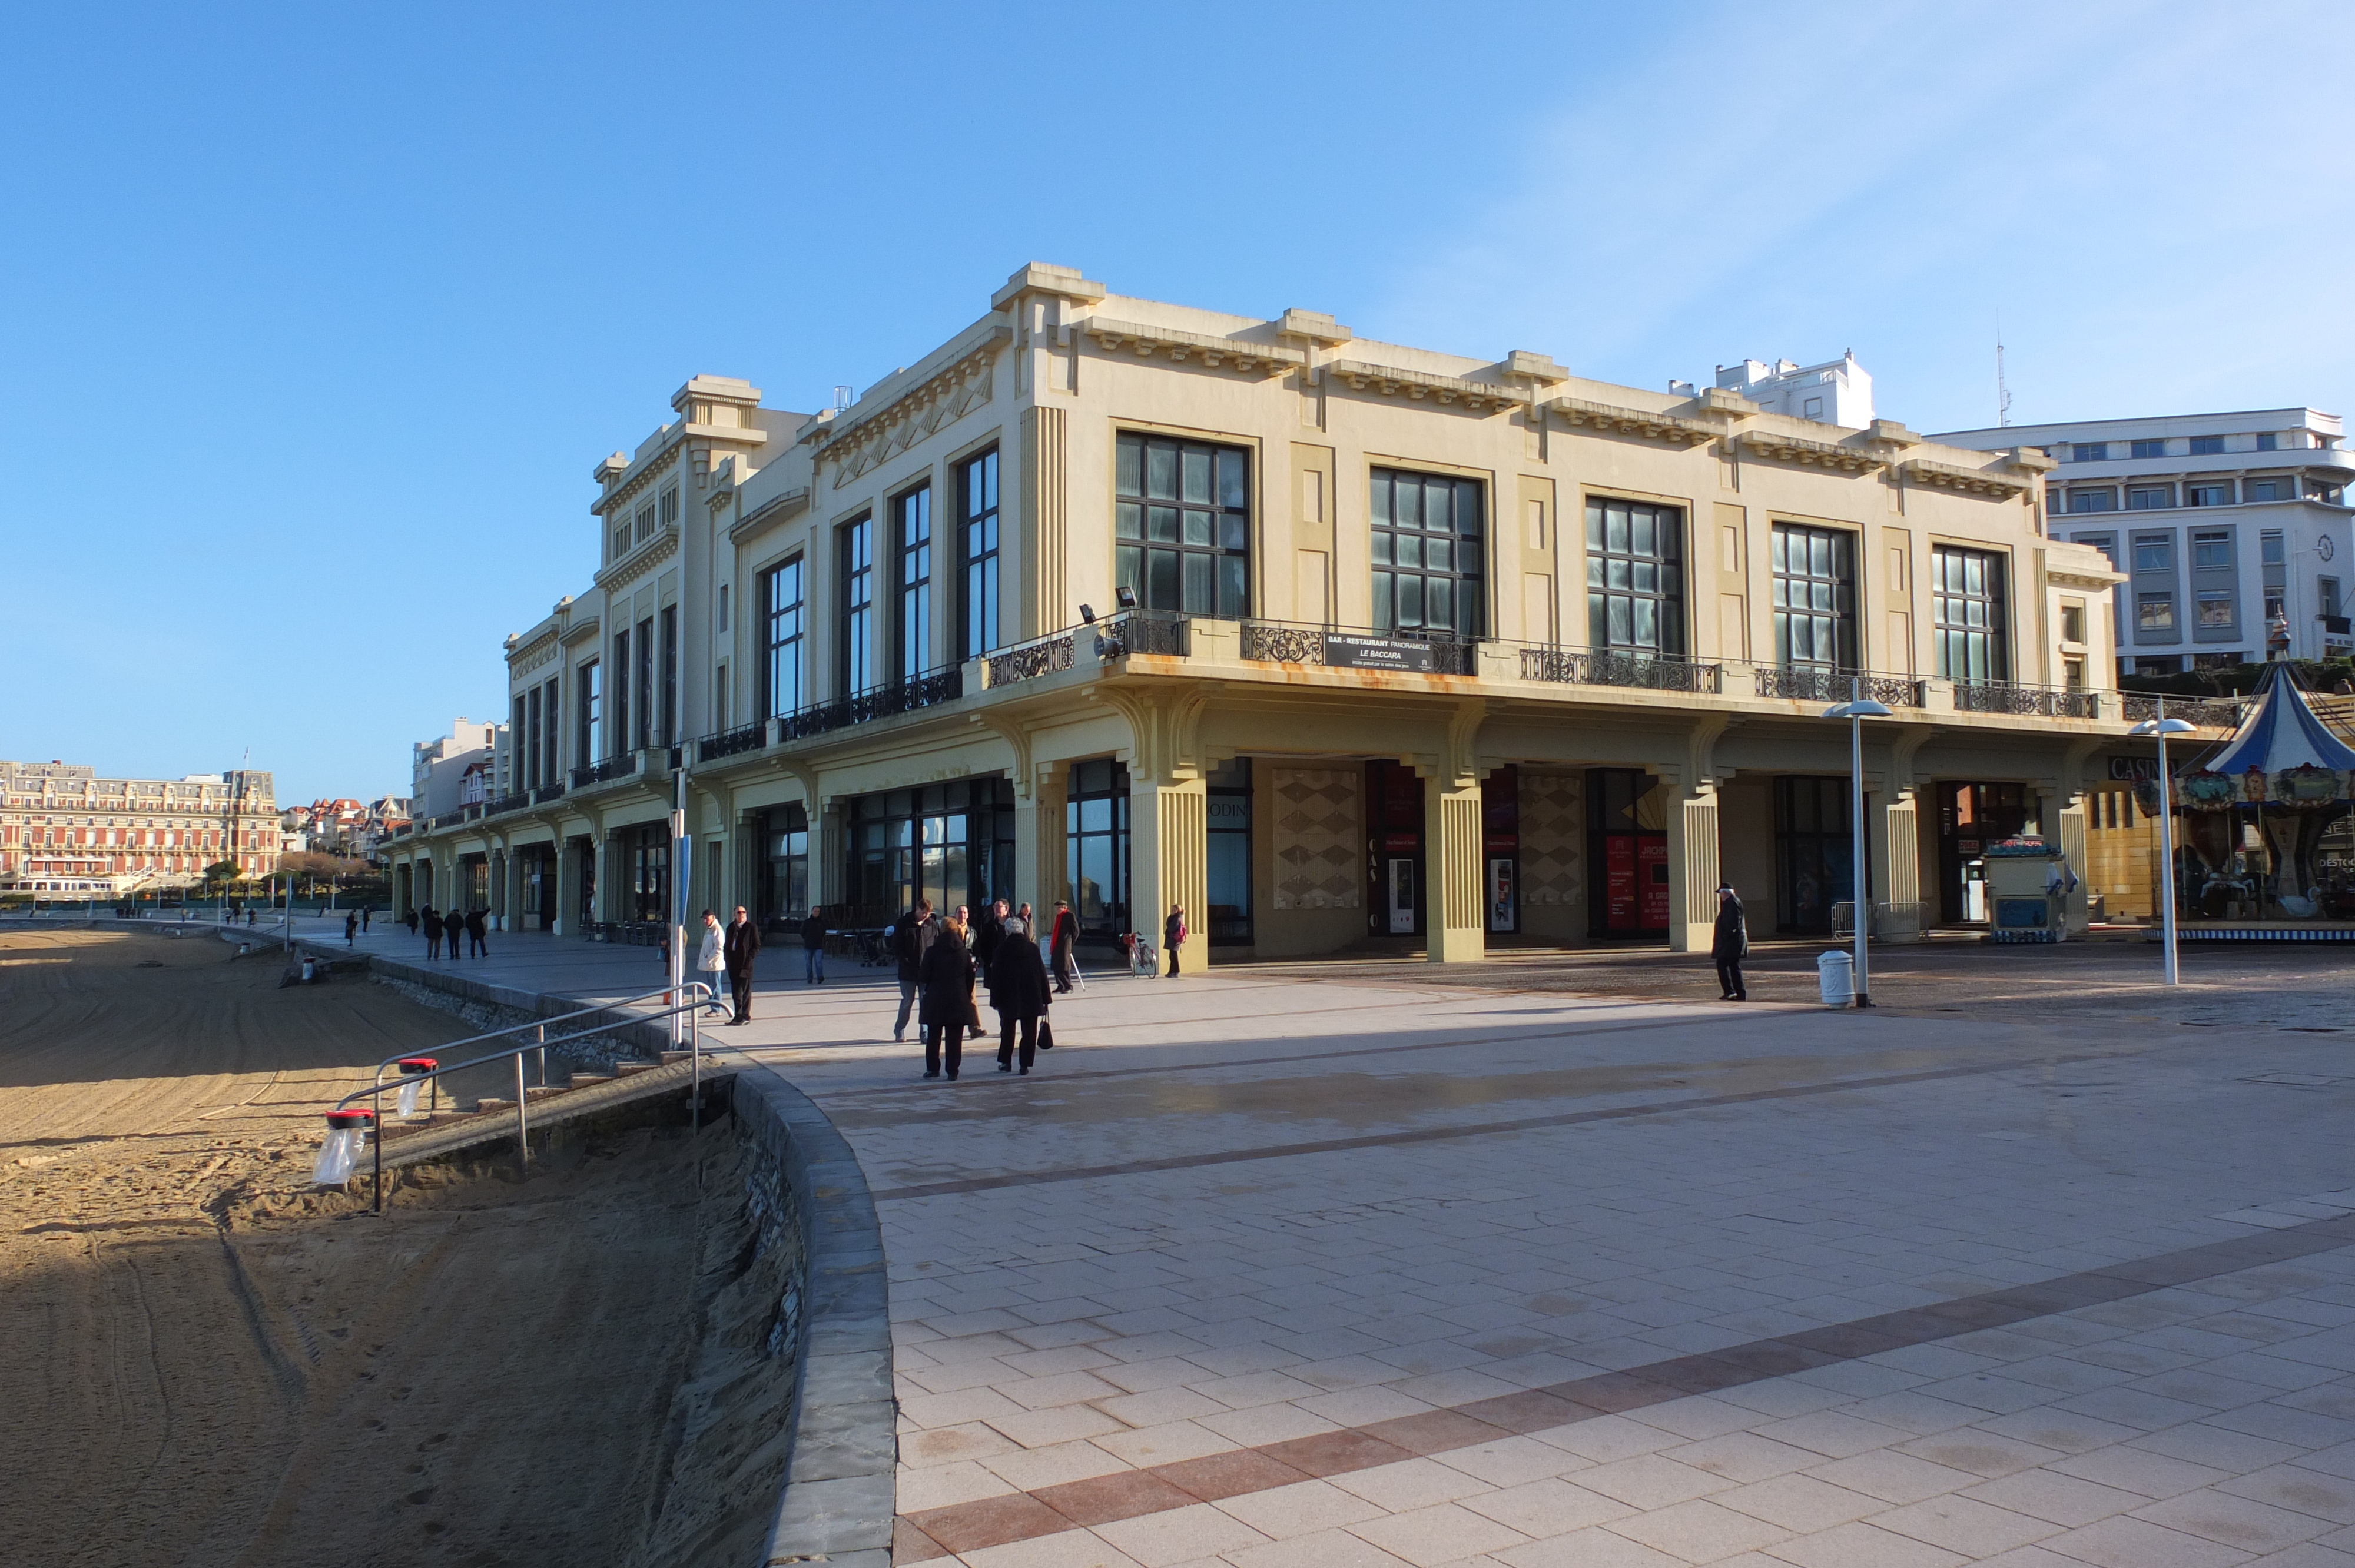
[1729, 945]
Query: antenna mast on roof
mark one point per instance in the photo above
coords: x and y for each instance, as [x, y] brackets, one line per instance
[2002, 392]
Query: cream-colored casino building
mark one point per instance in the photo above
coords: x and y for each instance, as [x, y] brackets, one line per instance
[1426, 651]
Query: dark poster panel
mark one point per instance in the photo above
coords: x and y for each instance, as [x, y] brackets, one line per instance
[1393, 849]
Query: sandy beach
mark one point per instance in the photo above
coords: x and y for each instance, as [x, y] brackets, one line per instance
[212, 1362]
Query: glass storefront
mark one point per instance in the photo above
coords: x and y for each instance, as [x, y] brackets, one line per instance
[784, 863]
[953, 843]
[1096, 840]
[1500, 847]
[1229, 818]
[646, 850]
[1628, 840]
[1814, 848]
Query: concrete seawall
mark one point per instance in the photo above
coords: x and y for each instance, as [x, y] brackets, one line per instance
[840, 1490]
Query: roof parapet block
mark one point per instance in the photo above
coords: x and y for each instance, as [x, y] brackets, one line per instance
[1537, 367]
[1047, 278]
[1315, 326]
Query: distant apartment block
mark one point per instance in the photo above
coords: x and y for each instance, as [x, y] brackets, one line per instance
[457, 770]
[2233, 529]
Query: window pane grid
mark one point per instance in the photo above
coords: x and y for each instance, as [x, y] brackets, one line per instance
[914, 621]
[978, 548]
[781, 594]
[1635, 577]
[1428, 554]
[1815, 597]
[858, 605]
[1182, 519]
[1969, 604]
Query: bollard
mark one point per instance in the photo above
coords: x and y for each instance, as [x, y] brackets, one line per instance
[309, 969]
[346, 1130]
[1836, 975]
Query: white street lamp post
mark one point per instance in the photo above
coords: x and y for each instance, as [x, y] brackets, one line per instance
[2162, 727]
[1856, 710]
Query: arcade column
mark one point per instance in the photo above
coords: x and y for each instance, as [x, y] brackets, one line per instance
[1169, 863]
[1693, 873]
[1454, 930]
[1893, 830]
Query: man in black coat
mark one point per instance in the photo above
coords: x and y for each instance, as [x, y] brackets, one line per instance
[910, 939]
[453, 931]
[1018, 989]
[988, 930]
[432, 924]
[737, 947]
[1729, 944]
[478, 925]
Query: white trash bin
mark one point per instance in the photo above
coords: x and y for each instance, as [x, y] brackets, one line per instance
[1835, 973]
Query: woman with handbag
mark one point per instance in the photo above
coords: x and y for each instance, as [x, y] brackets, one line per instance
[944, 979]
[1020, 991]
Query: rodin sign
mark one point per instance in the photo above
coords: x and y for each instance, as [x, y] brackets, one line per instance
[1376, 654]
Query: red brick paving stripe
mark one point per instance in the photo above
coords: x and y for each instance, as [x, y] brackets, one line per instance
[1123, 1494]
[1026, 1516]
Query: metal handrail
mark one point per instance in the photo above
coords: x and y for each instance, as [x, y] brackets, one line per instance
[374, 1093]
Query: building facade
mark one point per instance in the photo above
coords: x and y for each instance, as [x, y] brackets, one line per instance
[1332, 643]
[451, 772]
[2232, 529]
[59, 821]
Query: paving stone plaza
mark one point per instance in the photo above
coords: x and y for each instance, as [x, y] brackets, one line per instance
[1347, 1268]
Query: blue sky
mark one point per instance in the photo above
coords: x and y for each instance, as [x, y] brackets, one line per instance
[312, 320]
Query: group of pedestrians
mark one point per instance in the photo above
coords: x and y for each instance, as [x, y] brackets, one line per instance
[459, 931]
[942, 958]
[728, 952]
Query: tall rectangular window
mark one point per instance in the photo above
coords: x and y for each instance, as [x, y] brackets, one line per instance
[781, 640]
[645, 522]
[858, 555]
[535, 752]
[1815, 597]
[1428, 554]
[620, 691]
[669, 505]
[670, 675]
[1183, 520]
[723, 606]
[977, 625]
[551, 767]
[1967, 602]
[1635, 577]
[912, 529]
[721, 719]
[644, 730]
[2326, 589]
[588, 742]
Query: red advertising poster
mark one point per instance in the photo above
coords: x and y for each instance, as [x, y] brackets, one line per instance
[1652, 866]
[1619, 883]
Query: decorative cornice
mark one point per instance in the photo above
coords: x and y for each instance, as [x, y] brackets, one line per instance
[776, 509]
[580, 630]
[1651, 427]
[856, 442]
[1251, 358]
[1390, 381]
[1965, 481]
[528, 655]
[1816, 454]
[2066, 578]
[643, 471]
[641, 560]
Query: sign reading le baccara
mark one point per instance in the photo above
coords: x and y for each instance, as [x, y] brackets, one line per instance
[1376, 654]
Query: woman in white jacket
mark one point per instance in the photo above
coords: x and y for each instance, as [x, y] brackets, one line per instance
[712, 962]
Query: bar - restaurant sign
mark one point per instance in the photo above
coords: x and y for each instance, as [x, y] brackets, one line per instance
[1347, 652]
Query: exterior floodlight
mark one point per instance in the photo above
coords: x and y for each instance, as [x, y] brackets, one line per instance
[1088, 614]
[1127, 598]
[2160, 728]
[1856, 710]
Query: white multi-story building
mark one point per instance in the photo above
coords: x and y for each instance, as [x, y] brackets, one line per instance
[2233, 529]
[449, 773]
[1837, 392]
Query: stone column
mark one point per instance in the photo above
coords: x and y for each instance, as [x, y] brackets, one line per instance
[1170, 864]
[1454, 870]
[1692, 867]
[2072, 840]
[829, 850]
[1892, 832]
[1041, 868]
[499, 901]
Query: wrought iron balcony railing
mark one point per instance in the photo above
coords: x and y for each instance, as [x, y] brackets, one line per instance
[546, 792]
[733, 742]
[1640, 671]
[1028, 660]
[881, 702]
[1815, 685]
[2035, 702]
[625, 766]
[515, 802]
[2199, 711]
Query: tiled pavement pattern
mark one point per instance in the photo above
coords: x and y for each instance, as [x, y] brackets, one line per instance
[1687, 1284]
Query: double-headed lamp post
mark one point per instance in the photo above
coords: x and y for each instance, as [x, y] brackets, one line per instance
[2162, 727]
[1856, 710]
